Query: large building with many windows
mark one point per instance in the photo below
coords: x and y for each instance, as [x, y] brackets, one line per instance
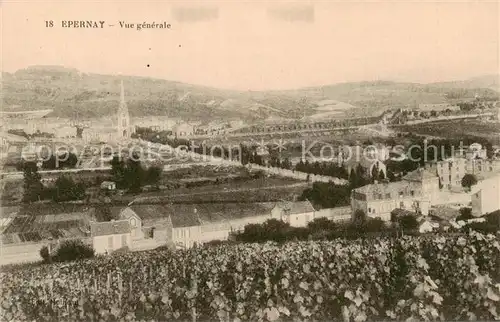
[451, 171]
[413, 193]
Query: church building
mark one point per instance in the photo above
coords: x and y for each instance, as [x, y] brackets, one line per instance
[124, 128]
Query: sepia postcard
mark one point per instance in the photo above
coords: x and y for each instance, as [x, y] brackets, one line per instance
[249, 160]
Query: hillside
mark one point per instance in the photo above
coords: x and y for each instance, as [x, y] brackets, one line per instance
[67, 91]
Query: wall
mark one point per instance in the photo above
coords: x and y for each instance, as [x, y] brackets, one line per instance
[300, 220]
[101, 245]
[189, 155]
[383, 208]
[335, 214]
[215, 231]
[240, 223]
[26, 252]
[487, 199]
[186, 236]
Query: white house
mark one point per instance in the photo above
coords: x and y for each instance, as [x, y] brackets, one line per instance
[379, 200]
[487, 197]
[297, 214]
[108, 185]
[186, 230]
[109, 236]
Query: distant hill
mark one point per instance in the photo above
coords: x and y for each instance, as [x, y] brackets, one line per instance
[486, 82]
[67, 91]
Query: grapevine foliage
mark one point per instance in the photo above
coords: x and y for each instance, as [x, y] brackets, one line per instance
[410, 278]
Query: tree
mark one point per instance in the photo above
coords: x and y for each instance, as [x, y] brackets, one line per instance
[391, 176]
[153, 175]
[44, 253]
[359, 217]
[71, 250]
[275, 229]
[469, 180]
[118, 171]
[66, 190]
[375, 225]
[465, 214]
[33, 187]
[103, 213]
[408, 222]
[320, 224]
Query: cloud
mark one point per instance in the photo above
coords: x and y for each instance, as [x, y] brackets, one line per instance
[195, 14]
[292, 13]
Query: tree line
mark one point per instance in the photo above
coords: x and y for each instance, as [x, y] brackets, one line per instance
[64, 189]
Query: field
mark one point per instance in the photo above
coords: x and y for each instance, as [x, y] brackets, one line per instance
[415, 278]
[456, 129]
[30, 226]
[215, 183]
[249, 191]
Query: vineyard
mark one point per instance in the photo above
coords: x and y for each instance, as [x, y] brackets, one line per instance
[422, 278]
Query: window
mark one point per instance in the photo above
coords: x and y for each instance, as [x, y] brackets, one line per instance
[369, 210]
[110, 242]
[124, 240]
[388, 195]
[412, 193]
[401, 205]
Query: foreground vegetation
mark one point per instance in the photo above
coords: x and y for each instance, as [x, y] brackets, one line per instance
[431, 277]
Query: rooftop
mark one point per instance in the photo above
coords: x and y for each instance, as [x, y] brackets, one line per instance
[109, 228]
[399, 212]
[207, 212]
[389, 190]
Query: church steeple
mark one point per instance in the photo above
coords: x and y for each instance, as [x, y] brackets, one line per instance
[124, 128]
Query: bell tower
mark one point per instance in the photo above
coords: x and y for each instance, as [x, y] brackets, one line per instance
[124, 129]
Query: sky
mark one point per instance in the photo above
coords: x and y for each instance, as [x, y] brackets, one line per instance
[262, 44]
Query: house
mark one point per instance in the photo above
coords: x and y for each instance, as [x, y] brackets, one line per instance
[487, 197]
[148, 221]
[108, 185]
[109, 236]
[380, 199]
[472, 160]
[186, 230]
[428, 182]
[297, 214]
